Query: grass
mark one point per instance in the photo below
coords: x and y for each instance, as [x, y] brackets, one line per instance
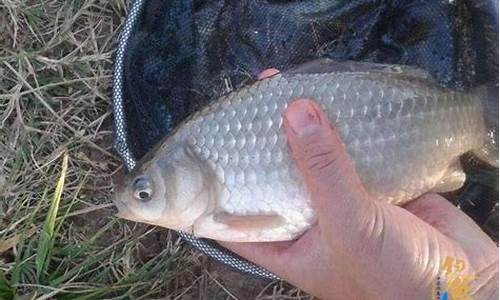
[59, 238]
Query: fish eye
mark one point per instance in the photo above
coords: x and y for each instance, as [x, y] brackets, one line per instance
[143, 188]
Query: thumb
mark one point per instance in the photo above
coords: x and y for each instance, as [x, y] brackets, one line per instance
[338, 196]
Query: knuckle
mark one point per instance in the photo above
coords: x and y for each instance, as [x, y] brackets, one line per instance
[322, 158]
[322, 154]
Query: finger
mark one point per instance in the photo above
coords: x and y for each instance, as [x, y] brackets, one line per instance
[303, 262]
[277, 256]
[267, 73]
[454, 223]
[336, 190]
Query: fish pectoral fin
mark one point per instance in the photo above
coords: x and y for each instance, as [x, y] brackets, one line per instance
[223, 226]
[326, 65]
[250, 221]
[453, 179]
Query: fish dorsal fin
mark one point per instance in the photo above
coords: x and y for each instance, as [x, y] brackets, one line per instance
[452, 180]
[326, 65]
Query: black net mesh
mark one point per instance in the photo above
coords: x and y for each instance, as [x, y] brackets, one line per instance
[177, 56]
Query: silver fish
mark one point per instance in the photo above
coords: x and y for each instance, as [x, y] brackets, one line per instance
[227, 172]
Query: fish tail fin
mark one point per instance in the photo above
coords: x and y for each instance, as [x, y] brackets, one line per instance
[488, 95]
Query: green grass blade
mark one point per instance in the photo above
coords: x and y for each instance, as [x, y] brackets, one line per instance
[73, 200]
[46, 241]
[24, 248]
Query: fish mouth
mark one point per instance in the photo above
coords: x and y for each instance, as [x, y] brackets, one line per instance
[118, 193]
[123, 211]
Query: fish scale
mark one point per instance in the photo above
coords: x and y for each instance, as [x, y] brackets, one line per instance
[405, 137]
[360, 143]
[403, 132]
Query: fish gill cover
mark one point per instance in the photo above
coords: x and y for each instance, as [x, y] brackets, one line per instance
[178, 56]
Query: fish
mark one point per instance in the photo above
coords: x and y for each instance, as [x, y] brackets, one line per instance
[227, 172]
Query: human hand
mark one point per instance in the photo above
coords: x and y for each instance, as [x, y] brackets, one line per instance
[363, 249]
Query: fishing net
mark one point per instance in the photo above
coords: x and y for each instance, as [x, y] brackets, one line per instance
[174, 57]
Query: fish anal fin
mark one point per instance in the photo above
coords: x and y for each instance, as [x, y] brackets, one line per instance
[326, 65]
[452, 180]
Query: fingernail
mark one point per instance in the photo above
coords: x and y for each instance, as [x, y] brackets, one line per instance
[267, 73]
[302, 117]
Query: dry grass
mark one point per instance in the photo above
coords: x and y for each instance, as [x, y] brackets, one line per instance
[55, 76]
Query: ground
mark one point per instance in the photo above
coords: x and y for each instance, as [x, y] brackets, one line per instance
[60, 239]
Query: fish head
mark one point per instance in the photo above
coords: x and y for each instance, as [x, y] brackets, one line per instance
[171, 190]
